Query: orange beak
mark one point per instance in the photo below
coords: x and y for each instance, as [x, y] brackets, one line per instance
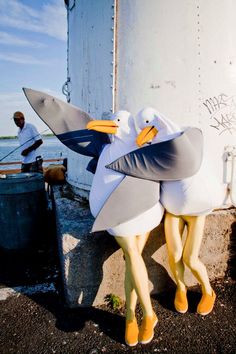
[103, 126]
[147, 134]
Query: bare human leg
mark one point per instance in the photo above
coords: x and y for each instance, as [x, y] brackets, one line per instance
[174, 226]
[130, 293]
[191, 259]
[192, 248]
[136, 274]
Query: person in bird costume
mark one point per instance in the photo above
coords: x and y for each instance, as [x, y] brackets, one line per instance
[131, 235]
[187, 202]
[125, 196]
[129, 223]
[132, 163]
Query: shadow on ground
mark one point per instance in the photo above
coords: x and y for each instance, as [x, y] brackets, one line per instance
[39, 264]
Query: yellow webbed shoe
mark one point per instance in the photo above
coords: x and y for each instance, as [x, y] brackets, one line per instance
[181, 301]
[146, 331]
[131, 332]
[206, 304]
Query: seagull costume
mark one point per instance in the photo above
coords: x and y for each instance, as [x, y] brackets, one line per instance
[125, 189]
[106, 181]
[187, 202]
[121, 215]
[195, 195]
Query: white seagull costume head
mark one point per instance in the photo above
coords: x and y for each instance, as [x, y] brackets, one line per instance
[154, 127]
[121, 126]
[122, 132]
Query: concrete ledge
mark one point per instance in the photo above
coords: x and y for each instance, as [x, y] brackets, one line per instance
[93, 266]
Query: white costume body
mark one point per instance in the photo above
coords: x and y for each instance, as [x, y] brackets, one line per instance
[105, 182]
[193, 196]
[196, 195]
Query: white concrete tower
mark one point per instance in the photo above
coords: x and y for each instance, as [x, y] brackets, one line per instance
[177, 56]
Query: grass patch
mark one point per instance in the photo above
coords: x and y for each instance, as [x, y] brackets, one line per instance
[114, 302]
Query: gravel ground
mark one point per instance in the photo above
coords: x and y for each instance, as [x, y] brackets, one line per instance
[40, 323]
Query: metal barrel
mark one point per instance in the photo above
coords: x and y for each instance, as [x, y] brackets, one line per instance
[23, 207]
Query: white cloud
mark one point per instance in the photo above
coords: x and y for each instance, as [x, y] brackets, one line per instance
[10, 39]
[54, 19]
[21, 59]
[7, 98]
[50, 19]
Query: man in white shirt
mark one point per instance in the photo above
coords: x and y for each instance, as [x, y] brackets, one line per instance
[29, 140]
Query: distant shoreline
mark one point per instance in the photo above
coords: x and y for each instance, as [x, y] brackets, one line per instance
[15, 137]
[7, 137]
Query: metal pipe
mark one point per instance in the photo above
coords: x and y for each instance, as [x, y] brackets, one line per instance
[232, 182]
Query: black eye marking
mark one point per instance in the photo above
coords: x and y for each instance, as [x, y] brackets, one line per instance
[118, 120]
[147, 121]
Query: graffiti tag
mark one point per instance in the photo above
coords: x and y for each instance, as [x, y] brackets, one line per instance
[222, 110]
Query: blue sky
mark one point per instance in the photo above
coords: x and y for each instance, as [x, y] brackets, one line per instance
[32, 54]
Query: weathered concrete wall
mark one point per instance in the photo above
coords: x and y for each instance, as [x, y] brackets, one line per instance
[93, 266]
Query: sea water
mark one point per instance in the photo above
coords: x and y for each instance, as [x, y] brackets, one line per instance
[51, 148]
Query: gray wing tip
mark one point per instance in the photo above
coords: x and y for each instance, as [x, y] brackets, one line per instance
[97, 226]
[26, 89]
